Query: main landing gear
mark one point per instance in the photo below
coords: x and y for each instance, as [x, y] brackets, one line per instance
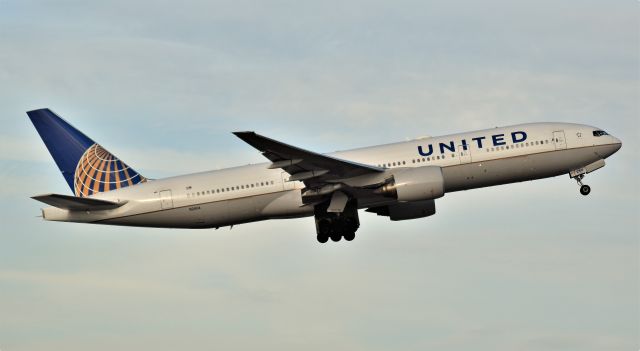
[584, 189]
[337, 226]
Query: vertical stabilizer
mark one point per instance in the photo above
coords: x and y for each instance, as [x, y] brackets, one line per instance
[87, 167]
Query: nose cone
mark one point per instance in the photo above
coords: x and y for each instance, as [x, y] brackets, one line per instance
[617, 143]
[614, 146]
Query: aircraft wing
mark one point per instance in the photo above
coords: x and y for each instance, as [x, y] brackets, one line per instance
[74, 203]
[305, 165]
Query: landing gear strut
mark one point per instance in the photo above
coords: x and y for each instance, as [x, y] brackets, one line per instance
[336, 226]
[584, 189]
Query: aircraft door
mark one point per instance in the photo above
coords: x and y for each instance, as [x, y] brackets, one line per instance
[559, 140]
[166, 201]
[464, 155]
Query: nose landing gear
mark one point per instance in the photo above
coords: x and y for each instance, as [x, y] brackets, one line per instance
[584, 189]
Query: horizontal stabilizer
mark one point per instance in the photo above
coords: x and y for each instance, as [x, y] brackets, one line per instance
[74, 203]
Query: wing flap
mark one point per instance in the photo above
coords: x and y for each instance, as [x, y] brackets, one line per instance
[73, 203]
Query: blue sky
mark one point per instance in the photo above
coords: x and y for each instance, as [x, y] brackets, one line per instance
[526, 266]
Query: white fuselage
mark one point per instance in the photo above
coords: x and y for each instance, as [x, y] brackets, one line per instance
[255, 192]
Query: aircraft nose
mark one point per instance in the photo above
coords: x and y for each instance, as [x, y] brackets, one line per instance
[618, 143]
[615, 145]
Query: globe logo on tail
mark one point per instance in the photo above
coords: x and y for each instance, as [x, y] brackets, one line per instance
[99, 171]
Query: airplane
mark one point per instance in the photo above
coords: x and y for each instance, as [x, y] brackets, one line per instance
[400, 181]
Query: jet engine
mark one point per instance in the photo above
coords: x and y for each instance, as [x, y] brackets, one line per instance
[414, 184]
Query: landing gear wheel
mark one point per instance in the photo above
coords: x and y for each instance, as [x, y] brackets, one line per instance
[349, 236]
[336, 236]
[585, 190]
[322, 238]
[325, 228]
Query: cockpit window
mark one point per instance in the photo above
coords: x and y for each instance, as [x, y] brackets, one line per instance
[598, 133]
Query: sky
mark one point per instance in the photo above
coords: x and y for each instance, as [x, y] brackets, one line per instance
[163, 84]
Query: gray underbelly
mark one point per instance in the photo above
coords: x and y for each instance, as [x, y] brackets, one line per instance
[285, 204]
[517, 169]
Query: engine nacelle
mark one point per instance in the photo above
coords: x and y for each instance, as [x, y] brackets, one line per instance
[415, 184]
[406, 210]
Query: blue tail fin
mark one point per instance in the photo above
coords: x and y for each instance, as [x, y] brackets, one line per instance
[87, 167]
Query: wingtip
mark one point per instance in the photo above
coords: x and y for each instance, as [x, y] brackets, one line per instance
[244, 134]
